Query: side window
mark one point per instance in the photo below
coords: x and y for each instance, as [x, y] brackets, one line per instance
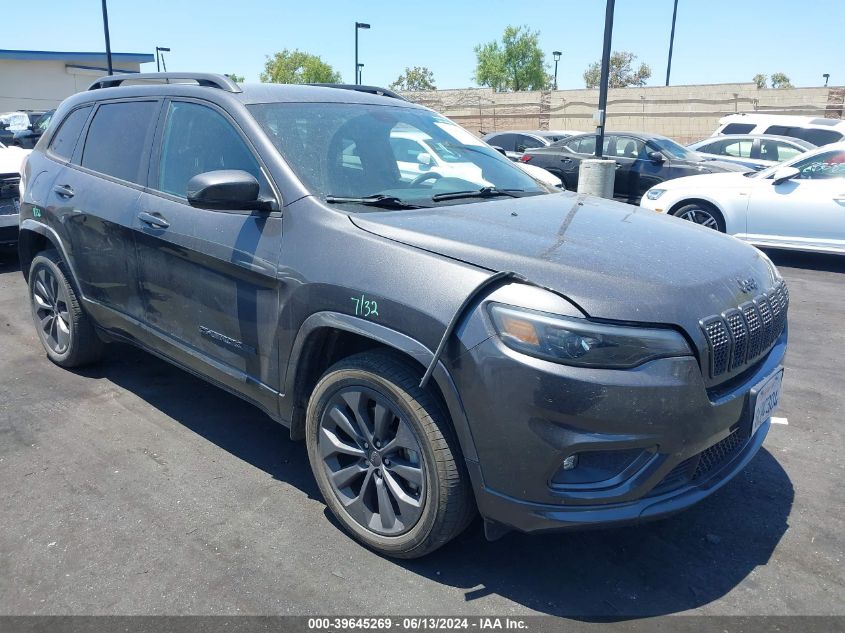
[116, 139]
[585, 145]
[198, 139]
[627, 147]
[822, 166]
[405, 150]
[64, 140]
[711, 148]
[740, 148]
[816, 137]
[784, 151]
[739, 128]
[524, 142]
[506, 141]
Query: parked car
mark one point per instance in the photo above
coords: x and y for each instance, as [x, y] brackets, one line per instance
[442, 345]
[798, 205]
[29, 137]
[642, 161]
[756, 151]
[515, 142]
[815, 130]
[11, 159]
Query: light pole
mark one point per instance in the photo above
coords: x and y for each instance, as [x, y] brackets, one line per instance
[671, 42]
[605, 73]
[108, 41]
[556, 55]
[360, 78]
[826, 78]
[358, 25]
[162, 49]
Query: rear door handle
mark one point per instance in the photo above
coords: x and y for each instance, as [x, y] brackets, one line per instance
[64, 191]
[153, 220]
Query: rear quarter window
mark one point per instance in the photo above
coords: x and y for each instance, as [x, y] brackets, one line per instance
[117, 138]
[738, 128]
[65, 138]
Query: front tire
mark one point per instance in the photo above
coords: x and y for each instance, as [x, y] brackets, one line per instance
[64, 329]
[386, 458]
[702, 213]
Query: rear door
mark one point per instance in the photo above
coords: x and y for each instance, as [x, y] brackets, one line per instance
[627, 151]
[807, 211]
[208, 277]
[96, 196]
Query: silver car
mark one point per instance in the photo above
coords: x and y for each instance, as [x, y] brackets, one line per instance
[757, 151]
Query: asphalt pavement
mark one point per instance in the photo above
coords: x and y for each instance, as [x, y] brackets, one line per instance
[132, 487]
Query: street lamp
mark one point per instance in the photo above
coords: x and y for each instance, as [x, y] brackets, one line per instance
[360, 76]
[671, 42]
[556, 55]
[162, 49]
[358, 25]
[826, 78]
[108, 40]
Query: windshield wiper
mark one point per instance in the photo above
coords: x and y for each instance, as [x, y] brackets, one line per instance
[380, 200]
[484, 192]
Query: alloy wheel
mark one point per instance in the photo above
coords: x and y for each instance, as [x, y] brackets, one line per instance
[373, 460]
[51, 310]
[700, 216]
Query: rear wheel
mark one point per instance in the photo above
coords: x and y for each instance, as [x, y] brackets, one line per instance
[385, 457]
[702, 213]
[65, 331]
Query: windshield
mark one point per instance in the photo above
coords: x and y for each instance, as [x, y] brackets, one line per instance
[670, 147]
[343, 150]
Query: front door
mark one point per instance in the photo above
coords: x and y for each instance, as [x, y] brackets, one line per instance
[807, 211]
[208, 277]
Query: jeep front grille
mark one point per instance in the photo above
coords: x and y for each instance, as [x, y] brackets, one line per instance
[739, 336]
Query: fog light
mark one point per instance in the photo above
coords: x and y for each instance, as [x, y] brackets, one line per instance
[570, 462]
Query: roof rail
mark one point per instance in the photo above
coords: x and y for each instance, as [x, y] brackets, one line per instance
[373, 90]
[210, 80]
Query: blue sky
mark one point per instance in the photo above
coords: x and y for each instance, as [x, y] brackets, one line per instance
[716, 40]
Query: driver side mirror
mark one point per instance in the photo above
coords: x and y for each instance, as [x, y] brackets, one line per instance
[656, 157]
[226, 189]
[783, 174]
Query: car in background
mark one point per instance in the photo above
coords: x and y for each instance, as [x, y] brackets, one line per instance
[29, 137]
[515, 142]
[815, 130]
[421, 158]
[756, 151]
[642, 161]
[11, 163]
[798, 205]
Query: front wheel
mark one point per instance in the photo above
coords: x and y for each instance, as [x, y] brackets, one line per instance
[386, 458]
[702, 213]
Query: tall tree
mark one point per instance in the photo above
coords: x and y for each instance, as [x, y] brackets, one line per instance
[515, 63]
[622, 73]
[760, 79]
[779, 80]
[298, 67]
[416, 78]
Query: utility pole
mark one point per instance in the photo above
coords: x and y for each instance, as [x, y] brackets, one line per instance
[358, 25]
[108, 41]
[671, 42]
[605, 73]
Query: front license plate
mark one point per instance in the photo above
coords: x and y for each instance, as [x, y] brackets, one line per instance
[766, 400]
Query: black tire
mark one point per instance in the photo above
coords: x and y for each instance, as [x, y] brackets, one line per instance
[444, 494]
[700, 209]
[52, 295]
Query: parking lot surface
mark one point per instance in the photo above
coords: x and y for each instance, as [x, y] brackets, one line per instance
[132, 487]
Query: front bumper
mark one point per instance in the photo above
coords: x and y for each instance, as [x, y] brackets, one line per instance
[9, 218]
[681, 441]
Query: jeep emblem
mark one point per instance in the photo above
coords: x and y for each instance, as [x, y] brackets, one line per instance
[747, 285]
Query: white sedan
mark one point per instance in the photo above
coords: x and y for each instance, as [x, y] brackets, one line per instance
[799, 204]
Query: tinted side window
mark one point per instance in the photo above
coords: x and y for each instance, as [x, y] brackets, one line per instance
[198, 139]
[524, 142]
[739, 128]
[817, 137]
[64, 140]
[116, 139]
[506, 141]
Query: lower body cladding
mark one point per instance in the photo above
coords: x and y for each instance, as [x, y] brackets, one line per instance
[563, 447]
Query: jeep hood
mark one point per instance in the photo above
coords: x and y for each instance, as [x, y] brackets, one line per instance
[615, 261]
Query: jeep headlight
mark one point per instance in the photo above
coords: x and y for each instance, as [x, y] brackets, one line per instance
[573, 341]
[654, 194]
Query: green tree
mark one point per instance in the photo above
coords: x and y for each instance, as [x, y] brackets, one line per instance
[515, 63]
[760, 79]
[416, 78]
[622, 73]
[298, 67]
[238, 79]
[779, 80]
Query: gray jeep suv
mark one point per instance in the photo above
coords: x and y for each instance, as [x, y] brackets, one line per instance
[445, 343]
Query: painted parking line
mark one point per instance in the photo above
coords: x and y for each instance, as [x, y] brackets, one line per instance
[783, 421]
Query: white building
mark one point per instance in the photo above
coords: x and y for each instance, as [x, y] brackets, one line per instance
[40, 80]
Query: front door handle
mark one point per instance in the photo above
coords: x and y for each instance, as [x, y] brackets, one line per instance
[64, 191]
[153, 220]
